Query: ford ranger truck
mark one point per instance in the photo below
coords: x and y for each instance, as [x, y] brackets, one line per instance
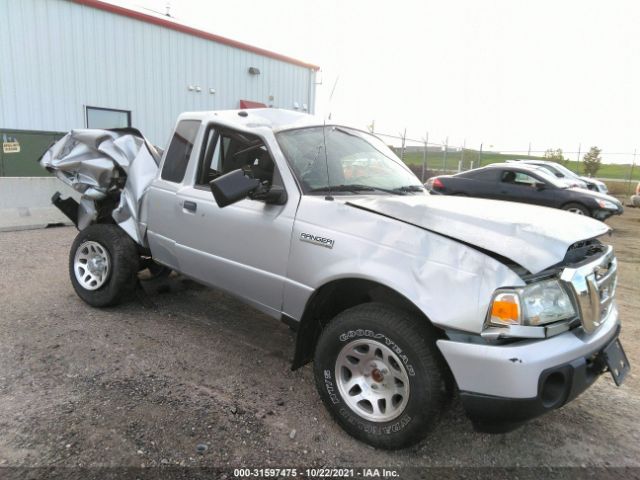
[398, 297]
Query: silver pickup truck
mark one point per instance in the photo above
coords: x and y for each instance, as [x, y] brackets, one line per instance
[398, 297]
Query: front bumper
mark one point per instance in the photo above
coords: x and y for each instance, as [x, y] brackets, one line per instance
[603, 214]
[503, 386]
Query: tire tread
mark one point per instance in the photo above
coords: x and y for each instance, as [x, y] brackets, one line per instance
[420, 336]
[125, 261]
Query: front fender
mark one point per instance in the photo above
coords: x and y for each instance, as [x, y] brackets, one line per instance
[449, 282]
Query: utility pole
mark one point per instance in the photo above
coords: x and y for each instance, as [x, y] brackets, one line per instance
[424, 156]
[404, 138]
[444, 157]
[529, 151]
[464, 144]
[480, 156]
[633, 164]
[578, 162]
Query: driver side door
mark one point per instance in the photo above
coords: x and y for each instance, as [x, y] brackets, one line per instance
[523, 187]
[244, 247]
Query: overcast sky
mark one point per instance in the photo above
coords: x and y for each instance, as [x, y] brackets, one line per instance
[505, 72]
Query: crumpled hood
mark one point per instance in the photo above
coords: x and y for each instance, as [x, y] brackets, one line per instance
[534, 237]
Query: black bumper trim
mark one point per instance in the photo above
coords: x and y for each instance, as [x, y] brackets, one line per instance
[556, 387]
[68, 206]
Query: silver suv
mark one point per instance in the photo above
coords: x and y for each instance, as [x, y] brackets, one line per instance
[398, 297]
[570, 178]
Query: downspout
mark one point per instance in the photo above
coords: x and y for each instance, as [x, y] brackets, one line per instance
[310, 95]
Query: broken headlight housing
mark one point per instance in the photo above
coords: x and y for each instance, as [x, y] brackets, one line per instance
[536, 304]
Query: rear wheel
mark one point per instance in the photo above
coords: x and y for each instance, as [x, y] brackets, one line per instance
[577, 209]
[103, 265]
[379, 374]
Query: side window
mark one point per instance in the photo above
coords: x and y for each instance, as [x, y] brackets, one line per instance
[177, 159]
[518, 178]
[553, 171]
[210, 163]
[226, 150]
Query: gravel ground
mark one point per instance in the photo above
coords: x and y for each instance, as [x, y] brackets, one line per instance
[189, 376]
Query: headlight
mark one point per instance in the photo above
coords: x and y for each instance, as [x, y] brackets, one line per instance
[607, 205]
[536, 304]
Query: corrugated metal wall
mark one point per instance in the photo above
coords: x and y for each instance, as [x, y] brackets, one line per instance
[58, 56]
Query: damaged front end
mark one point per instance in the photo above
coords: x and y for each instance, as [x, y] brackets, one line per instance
[111, 169]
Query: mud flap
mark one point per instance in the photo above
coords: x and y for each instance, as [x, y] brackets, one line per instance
[68, 206]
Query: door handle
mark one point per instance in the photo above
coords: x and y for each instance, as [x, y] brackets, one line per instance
[190, 206]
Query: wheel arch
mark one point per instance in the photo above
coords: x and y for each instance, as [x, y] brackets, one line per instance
[334, 297]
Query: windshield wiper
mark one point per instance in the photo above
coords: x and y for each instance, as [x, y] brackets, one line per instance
[410, 188]
[355, 188]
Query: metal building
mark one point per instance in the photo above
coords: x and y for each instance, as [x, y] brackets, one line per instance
[87, 63]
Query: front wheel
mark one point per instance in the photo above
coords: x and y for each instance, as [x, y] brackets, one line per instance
[577, 209]
[379, 375]
[103, 265]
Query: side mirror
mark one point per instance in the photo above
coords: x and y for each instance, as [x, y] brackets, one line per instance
[274, 195]
[232, 187]
[540, 186]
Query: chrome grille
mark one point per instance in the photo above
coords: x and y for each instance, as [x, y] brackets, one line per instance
[593, 286]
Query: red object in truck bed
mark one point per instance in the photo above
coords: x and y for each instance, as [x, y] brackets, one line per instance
[250, 104]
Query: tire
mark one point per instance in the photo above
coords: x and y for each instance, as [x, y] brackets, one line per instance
[577, 209]
[382, 331]
[93, 248]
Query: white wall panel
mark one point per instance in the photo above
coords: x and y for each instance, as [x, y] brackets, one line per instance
[58, 56]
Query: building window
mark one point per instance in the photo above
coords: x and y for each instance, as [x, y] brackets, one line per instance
[107, 118]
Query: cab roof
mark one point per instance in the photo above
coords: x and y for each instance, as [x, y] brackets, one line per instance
[275, 119]
[515, 166]
[532, 161]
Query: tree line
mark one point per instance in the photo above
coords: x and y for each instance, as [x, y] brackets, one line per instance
[591, 161]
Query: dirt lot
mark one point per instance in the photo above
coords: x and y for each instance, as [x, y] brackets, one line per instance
[145, 383]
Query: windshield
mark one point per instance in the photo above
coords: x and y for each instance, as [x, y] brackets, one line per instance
[545, 175]
[344, 160]
[556, 169]
[551, 169]
[565, 171]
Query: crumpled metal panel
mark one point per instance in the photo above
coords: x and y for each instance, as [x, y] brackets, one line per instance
[531, 236]
[104, 163]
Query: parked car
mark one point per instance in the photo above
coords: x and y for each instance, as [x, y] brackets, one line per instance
[396, 295]
[595, 185]
[521, 182]
[565, 175]
[571, 178]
